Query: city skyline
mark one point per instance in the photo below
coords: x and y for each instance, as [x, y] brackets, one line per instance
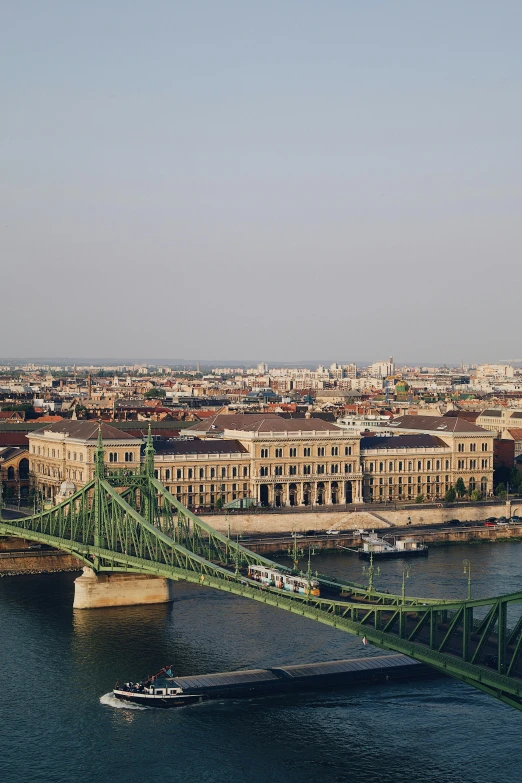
[113, 361]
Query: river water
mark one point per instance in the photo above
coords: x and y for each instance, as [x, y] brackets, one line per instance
[57, 725]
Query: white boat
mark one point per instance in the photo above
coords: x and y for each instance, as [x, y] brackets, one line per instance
[378, 547]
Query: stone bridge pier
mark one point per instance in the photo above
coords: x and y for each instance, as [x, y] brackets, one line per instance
[93, 591]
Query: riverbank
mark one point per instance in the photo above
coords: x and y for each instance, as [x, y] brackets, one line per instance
[17, 558]
[263, 523]
[272, 546]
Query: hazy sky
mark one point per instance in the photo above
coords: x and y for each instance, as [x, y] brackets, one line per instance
[282, 179]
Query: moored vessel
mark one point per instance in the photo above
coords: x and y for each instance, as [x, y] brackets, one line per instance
[380, 548]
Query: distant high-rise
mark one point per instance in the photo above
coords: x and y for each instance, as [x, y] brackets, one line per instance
[382, 369]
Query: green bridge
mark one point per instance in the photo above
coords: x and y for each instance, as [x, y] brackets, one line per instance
[127, 522]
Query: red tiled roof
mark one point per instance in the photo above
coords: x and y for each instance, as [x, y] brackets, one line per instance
[13, 439]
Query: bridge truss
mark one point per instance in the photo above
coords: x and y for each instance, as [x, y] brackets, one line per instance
[127, 521]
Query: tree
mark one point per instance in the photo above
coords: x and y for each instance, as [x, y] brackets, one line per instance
[419, 499]
[219, 503]
[476, 494]
[460, 487]
[515, 481]
[451, 495]
[500, 490]
[155, 394]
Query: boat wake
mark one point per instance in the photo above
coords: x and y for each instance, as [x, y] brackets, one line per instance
[110, 700]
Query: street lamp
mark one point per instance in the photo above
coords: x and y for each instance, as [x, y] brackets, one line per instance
[295, 553]
[406, 571]
[237, 558]
[311, 552]
[372, 571]
[467, 570]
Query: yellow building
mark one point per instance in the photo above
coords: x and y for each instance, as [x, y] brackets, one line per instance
[269, 460]
[14, 474]
[292, 462]
[61, 455]
[426, 455]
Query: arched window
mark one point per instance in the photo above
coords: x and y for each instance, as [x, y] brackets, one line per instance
[23, 469]
[472, 484]
[10, 473]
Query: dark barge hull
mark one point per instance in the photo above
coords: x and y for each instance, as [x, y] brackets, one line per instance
[252, 683]
[393, 555]
[165, 702]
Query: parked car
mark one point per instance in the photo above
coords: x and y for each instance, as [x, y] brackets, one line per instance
[501, 521]
[490, 524]
[491, 519]
[332, 532]
[311, 533]
[453, 522]
[515, 520]
[35, 546]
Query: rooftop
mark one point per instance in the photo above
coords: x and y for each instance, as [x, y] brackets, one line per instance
[199, 446]
[402, 442]
[84, 430]
[442, 424]
[13, 439]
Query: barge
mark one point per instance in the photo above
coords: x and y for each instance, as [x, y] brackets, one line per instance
[281, 679]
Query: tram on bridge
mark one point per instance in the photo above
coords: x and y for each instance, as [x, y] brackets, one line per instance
[290, 582]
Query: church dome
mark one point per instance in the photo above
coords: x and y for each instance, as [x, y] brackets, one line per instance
[67, 488]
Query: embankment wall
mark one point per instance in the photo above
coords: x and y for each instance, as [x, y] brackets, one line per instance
[248, 524]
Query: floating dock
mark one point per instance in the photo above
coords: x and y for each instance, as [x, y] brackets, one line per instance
[309, 676]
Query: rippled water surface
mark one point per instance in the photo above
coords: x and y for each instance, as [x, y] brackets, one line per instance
[57, 723]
